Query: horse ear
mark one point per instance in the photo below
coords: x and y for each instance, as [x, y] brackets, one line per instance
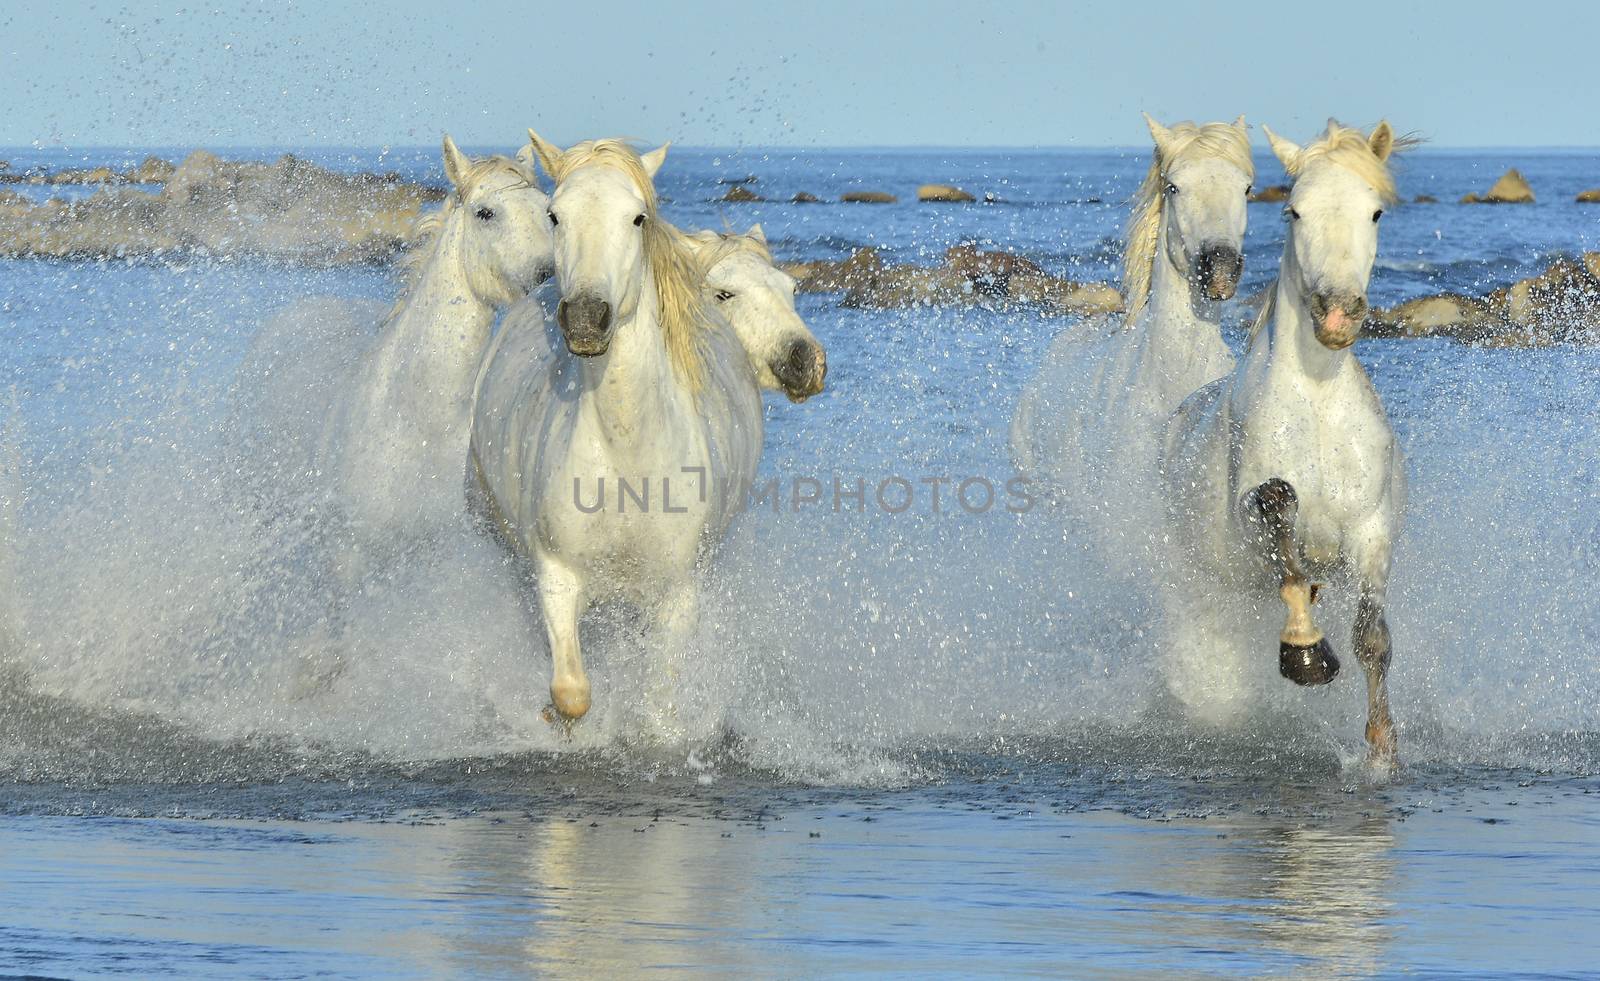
[756, 233]
[548, 154]
[1241, 125]
[1382, 140]
[1287, 151]
[655, 158]
[456, 163]
[1159, 133]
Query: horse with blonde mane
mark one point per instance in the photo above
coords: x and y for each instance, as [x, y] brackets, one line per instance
[1091, 421]
[399, 441]
[1288, 467]
[615, 449]
[757, 300]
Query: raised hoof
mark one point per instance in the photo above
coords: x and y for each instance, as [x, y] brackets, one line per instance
[1308, 664]
[552, 716]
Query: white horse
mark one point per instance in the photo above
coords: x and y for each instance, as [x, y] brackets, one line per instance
[1289, 465]
[615, 455]
[757, 300]
[399, 441]
[1092, 420]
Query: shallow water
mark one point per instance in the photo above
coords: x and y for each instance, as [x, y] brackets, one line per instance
[969, 682]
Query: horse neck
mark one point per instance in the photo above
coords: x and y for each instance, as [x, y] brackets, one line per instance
[442, 324]
[631, 388]
[1293, 346]
[1170, 310]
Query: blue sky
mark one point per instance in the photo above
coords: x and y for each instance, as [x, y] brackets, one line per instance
[809, 74]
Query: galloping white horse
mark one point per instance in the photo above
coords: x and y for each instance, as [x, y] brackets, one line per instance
[1289, 465]
[616, 454]
[1092, 419]
[757, 300]
[399, 441]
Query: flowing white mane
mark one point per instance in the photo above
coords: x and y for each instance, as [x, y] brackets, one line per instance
[1225, 140]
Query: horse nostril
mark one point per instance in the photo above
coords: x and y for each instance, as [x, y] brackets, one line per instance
[1357, 307]
[605, 315]
[561, 314]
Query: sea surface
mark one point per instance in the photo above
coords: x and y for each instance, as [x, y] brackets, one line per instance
[932, 742]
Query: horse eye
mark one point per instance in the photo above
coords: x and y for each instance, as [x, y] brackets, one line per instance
[1376, 215]
[1171, 188]
[486, 214]
[723, 296]
[552, 215]
[1249, 190]
[1291, 214]
[637, 221]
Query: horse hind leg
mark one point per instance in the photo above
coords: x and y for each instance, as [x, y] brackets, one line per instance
[1373, 651]
[1304, 655]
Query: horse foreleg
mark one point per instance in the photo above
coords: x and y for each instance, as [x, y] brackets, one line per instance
[1373, 650]
[561, 597]
[1304, 654]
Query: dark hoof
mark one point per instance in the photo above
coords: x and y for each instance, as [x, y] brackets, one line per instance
[1308, 664]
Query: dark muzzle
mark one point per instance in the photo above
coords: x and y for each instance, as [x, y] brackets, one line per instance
[586, 324]
[1217, 271]
[801, 369]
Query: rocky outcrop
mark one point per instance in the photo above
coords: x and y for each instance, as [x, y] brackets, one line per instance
[805, 197]
[1511, 188]
[1591, 196]
[1560, 305]
[1424, 199]
[868, 197]
[943, 193]
[289, 210]
[1273, 194]
[152, 170]
[738, 193]
[967, 277]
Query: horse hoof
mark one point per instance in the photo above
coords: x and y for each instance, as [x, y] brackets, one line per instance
[1308, 664]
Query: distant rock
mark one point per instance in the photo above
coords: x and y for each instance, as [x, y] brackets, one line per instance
[1591, 196]
[10, 200]
[1511, 188]
[1462, 318]
[1424, 199]
[912, 286]
[289, 210]
[990, 272]
[805, 197]
[747, 179]
[868, 197]
[944, 193]
[1560, 305]
[861, 269]
[989, 197]
[1272, 194]
[152, 170]
[740, 193]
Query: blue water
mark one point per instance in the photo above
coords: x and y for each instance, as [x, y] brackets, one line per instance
[967, 682]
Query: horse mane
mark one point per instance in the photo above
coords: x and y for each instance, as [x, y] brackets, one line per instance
[1349, 148]
[427, 230]
[719, 245]
[1142, 239]
[679, 271]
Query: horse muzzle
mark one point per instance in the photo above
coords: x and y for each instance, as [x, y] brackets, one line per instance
[585, 322]
[1338, 318]
[801, 369]
[1217, 271]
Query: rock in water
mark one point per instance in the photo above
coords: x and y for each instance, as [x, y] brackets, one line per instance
[868, 197]
[740, 193]
[943, 192]
[1511, 188]
[1591, 196]
[1461, 318]
[805, 197]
